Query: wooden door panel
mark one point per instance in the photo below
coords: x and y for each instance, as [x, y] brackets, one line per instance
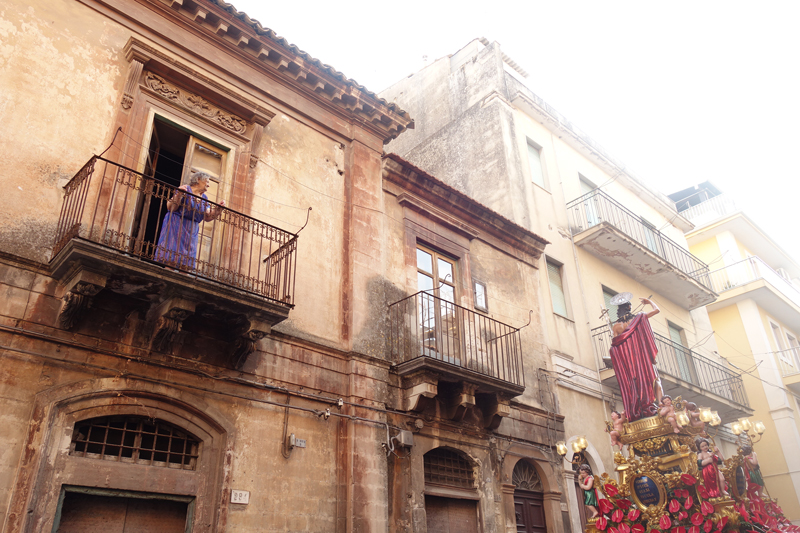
[529, 506]
[91, 513]
[449, 515]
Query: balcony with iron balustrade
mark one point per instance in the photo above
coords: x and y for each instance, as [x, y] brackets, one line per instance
[752, 278]
[462, 357]
[789, 365]
[618, 237]
[684, 373]
[233, 284]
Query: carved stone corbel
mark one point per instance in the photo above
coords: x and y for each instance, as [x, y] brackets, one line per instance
[494, 412]
[462, 402]
[137, 62]
[247, 342]
[78, 294]
[419, 389]
[255, 142]
[171, 315]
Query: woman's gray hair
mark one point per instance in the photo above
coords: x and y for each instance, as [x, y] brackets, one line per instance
[197, 177]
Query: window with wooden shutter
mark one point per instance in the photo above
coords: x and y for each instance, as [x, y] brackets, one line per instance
[557, 288]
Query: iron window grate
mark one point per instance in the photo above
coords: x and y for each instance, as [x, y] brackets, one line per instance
[443, 467]
[135, 440]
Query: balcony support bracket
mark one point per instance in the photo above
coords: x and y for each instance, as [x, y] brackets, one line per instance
[171, 315]
[420, 390]
[79, 291]
[462, 402]
[247, 341]
[498, 408]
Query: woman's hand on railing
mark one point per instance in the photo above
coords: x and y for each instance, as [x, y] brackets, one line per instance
[214, 212]
[174, 202]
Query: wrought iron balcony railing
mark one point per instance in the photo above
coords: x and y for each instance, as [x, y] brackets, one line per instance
[682, 363]
[596, 207]
[709, 210]
[752, 269]
[119, 208]
[424, 325]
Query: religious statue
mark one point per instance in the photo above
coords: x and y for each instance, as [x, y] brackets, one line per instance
[633, 355]
[586, 482]
[616, 428]
[707, 462]
[667, 412]
[755, 482]
[693, 413]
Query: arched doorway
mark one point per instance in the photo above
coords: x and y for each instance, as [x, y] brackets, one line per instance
[451, 499]
[528, 498]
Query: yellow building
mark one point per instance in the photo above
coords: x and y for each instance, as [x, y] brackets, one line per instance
[756, 320]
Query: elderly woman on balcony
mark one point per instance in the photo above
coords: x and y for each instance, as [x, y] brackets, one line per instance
[177, 244]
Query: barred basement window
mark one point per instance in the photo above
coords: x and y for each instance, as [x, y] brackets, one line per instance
[133, 439]
[445, 467]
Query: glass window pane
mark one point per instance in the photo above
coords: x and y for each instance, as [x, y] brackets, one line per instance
[557, 289]
[480, 295]
[535, 162]
[447, 293]
[424, 261]
[445, 271]
[424, 283]
[612, 309]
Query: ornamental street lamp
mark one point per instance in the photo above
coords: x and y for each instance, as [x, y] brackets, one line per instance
[744, 429]
[578, 446]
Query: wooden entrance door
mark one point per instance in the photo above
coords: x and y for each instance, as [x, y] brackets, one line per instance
[91, 513]
[450, 515]
[529, 510]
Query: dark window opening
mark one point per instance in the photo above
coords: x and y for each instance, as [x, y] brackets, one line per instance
[135, 440]
[445, 467]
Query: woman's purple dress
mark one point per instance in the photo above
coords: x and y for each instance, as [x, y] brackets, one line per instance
[177, 244]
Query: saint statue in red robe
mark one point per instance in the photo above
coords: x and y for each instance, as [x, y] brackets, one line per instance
[633, 355]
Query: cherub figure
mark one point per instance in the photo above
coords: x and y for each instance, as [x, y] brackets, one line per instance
[616, 428]
[693, 412]
[667, 411]
[708, 461]
[755, 482]
[586, 482]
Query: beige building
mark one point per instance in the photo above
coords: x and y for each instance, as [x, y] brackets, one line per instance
[479, 128]
[348, 344]
[757, 321]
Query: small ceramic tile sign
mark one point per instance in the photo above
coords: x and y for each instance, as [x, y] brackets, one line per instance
[240, 496]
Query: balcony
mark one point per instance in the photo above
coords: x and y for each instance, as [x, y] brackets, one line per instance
[685, 373]
[789, 364]
[754, 279]
[231, 276]
[710, 210]
[615, 235]
[461, 358]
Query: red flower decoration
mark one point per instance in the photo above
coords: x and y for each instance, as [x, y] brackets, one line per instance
[637, 528]
[688, 479]
[694, 529]
[617, 515]
[706, 508]
[721, 523]
[624, 504]
[702, 491]
[688, 503]
[683, 515]
[707, 526]
[664, 522]
[610, 490]
[605, 506]
[697, 519]
[601, 523]
[679, 529]
[674, 506]
[633, 514]
[613, 530]
[624, 528]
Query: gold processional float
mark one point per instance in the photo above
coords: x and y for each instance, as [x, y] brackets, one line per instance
[673, 479]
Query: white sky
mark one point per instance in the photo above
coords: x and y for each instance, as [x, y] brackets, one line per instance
[681, 92]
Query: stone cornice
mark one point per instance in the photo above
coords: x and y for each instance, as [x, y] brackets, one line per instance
[457, 210]
[237, 33]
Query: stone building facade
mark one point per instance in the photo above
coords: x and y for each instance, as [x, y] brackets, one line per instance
[347, 344]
